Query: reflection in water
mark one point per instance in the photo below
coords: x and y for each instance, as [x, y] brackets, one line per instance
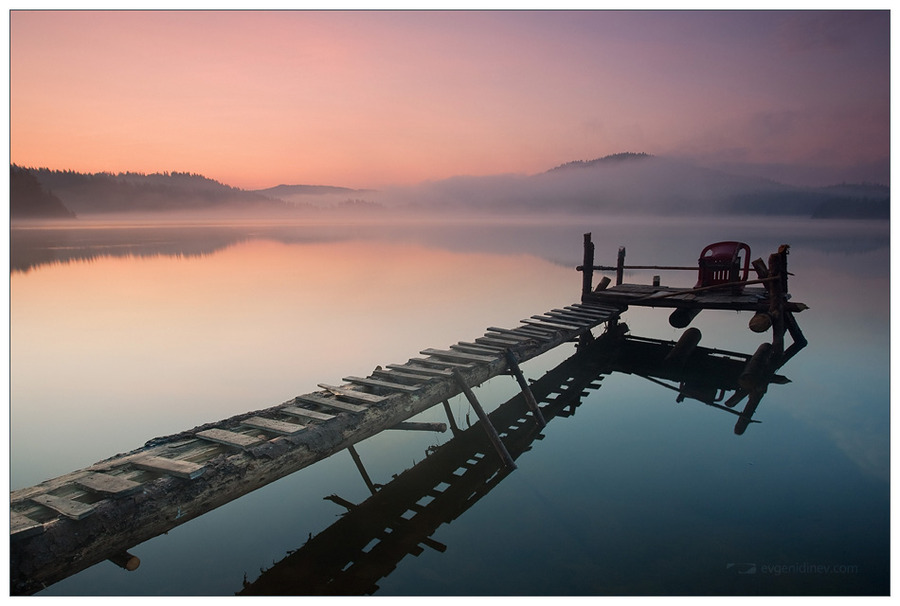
[367, 543]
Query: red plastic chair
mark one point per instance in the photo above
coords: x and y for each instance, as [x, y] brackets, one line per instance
[720, 263]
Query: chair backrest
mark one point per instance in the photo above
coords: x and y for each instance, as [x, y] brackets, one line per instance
[720, 263]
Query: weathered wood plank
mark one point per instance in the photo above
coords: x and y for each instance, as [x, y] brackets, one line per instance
[444, 364]
[71, 509]
[280, 427]
[332, 403]
[172, 467]
[21, 526]
[496, 341]
[306, 413]
[421, 370]
[546, 323]
[353, 394]
[482, 350]
[397, 374]
[457, 355]
[555, 322]
[382, 384]
[507, 333]
[109, 485]
[229, 438]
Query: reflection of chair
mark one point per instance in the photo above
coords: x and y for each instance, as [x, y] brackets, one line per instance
[720, 263]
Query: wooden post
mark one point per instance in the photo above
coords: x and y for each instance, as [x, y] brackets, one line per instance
[362, 470]
[620, 265]
[587, 267]
[526, 390]
[491, 431]
[777, 291]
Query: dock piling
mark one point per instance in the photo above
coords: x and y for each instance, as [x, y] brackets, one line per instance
[526, 390]
[485, 421]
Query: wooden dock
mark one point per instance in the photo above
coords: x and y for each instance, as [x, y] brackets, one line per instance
[69, 523]
[64, 525]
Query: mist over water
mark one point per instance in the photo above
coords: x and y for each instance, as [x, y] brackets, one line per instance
[125, 330]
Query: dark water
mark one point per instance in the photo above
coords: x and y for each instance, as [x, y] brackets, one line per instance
[120, 333]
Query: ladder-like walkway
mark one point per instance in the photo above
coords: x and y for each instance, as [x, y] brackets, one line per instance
[69, 523]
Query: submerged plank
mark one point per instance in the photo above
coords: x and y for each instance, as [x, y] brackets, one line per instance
[280, 427]
[109, 485]
[172, 467]
[71, 509]
[229, 438]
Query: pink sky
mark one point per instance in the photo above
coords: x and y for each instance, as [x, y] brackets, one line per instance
[369, 99]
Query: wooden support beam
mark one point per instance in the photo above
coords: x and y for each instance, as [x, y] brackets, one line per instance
[489, 429]
[126, 560]
[526, 389]
[414, 426]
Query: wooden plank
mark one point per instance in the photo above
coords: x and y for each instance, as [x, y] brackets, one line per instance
[445, 364]
[568, 319]
[403, 375]
[421, 370]
[497, 341]
[172, 467]
[483, 350]
[457, 355]
[73, 510]
[382, 384]
[556, 322]
[508, 333]
[580, 317]
[550, 326]
[280, 427]
[21, 526]
[228, 438]
[106, 484]
[333, 403]
[306, 413]
[353, 394]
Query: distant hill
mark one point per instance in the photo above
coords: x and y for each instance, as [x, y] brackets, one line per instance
[28, 199]
[321, 196]
[137, 192]
[640, 183]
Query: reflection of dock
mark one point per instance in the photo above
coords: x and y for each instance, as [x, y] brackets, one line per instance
[69, 523]
[366, 544]
[372, 537]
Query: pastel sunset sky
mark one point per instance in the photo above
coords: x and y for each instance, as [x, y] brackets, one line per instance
[374, 98]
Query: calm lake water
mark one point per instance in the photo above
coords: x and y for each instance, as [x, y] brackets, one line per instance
[125, 332]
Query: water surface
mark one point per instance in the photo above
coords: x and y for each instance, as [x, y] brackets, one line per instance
[121, 333]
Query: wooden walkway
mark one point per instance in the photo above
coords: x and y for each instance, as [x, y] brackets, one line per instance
[69, 523]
